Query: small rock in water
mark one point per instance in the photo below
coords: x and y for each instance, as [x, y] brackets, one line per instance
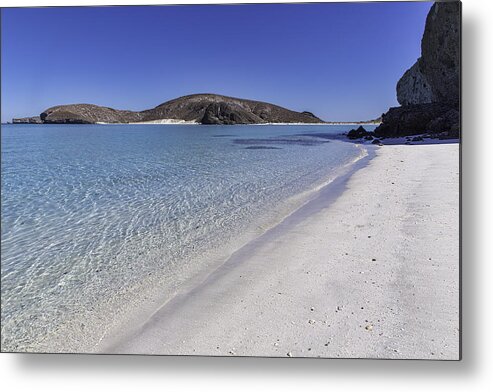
[312, 308]
[369, 327]
[276, 344]
[290, 354]
[358, 133]
[311, 321]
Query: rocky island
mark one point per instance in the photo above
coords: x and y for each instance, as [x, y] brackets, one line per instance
[197, 108]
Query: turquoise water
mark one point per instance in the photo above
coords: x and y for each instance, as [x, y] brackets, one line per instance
[88, 211]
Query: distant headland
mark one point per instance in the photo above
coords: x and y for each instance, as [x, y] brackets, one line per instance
[196, 108]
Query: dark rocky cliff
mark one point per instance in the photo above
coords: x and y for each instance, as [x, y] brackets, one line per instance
[200, 108]
[429, 91]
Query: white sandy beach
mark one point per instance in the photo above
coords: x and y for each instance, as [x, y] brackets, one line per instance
[371, 274]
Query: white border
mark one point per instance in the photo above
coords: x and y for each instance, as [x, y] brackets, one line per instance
[145, 374]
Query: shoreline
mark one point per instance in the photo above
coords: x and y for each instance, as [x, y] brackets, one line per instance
[184, 122]
[116, 315]
[340, 277]
[295, 208]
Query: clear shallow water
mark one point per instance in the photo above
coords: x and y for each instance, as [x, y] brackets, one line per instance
[90, 210]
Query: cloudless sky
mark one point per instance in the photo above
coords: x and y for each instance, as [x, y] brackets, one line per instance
[340, 61]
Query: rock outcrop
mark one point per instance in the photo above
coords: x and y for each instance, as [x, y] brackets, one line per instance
[413, 88]
[359, 133]
[417, 119]
[199, 108]
[429, 91]
[27, 120]
[227, 113]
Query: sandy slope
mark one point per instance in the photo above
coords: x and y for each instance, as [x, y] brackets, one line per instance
[372, 274]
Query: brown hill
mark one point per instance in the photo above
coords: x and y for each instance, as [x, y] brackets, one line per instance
[200, 108]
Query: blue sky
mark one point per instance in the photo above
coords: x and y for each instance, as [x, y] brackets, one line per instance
[340, 61]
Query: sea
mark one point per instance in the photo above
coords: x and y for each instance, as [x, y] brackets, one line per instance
[95, 216]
